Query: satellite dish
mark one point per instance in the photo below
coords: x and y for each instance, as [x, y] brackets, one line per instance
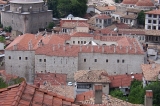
[132, 77]
[131, 73]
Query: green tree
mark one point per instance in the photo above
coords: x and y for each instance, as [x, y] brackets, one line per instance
[2, 39]
[118, 94]
[7, 29]
[136, 94]
[141, 18]
[155, 87]
[2, 83]
[52, 5]
[61, 8]
[51, 25]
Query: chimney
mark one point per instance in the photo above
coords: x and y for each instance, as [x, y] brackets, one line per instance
[120, 47]
[114, 49]
[98, 93]
[130, 47]
[58, 46]
[102, 49]
[53, 48]
[153, 66]
[80, 48]
[15, 47]
[91, 48]
[126, 49]
[38, 84]
[135, 49]
[64, 48]
[148, 98]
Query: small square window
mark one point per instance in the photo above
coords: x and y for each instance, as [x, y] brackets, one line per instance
[40, 60]
[9, 57]
[106, 60]
[81, 42]
[117, 61]
[122, 61]
[95, 60]
[19, 58]
[149, 15]
[44, 60]
[155, 16]
[84, 60]
[154, 21]
[149, 21]
[26, 58]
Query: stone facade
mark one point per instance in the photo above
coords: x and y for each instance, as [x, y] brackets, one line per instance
[115, 57]
[26, 17]
[20, 63]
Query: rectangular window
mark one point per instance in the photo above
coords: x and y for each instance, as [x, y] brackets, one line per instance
[100, 21]
[78, 42]
[9, 57]
[122, 61]
[73, 42]
[149, 27]
[149, 15]
[26, 58]
[154, 21]
[40, 60]
[149, 21]
[19, 58]
[44, 60]
[84, 42]
[154, 27]
[106, 60]
[117, 61]
[95, 60]
[84, 60]
[155, 16]
[81, 42]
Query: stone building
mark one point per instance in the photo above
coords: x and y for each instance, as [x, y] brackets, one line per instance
[30, 53]
[138, 4]
[152, 20]
[26, 16]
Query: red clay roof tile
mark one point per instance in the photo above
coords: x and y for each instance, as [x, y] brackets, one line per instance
[30, 95]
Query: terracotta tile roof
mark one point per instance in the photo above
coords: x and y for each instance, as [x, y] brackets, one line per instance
[87, 99]
[144, 3]
[62, 90]
[123, 80]
[69, 25]
[131, 47]
[134, 10]
[130, 1]
[103, 8]
[6, 76]
[81, 34]
[3, 2]
[130, 16]
[74, 24]
[153, 12]
[22, 42]
[29, 95]
[140, 32]
[150, 71]
[103, 16]
[91, 76]
[53, 78]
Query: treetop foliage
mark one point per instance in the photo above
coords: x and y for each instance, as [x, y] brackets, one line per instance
[61, 8]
